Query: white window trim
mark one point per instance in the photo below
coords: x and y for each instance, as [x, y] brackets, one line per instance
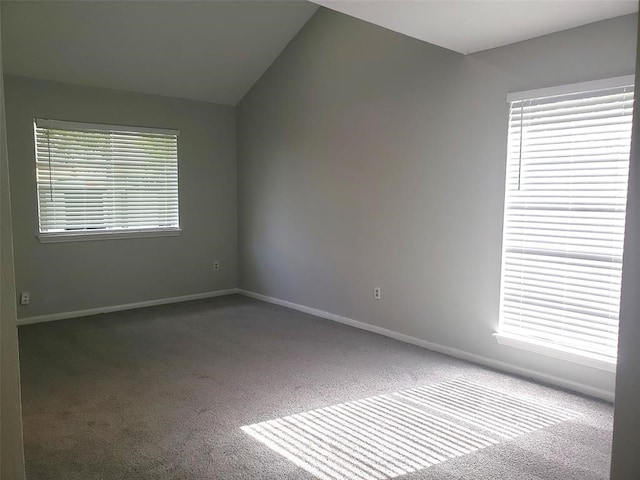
[572, 88]
[113, 234]
[64, 124]
[83, 236]
[533, 345]
[556, 351]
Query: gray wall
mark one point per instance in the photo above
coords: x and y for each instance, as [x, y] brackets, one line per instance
[366, 158]
[72, 276]
[626, 431]
[11, 450]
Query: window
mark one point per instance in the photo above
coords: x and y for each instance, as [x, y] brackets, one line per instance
[101, 181]
[565, 201]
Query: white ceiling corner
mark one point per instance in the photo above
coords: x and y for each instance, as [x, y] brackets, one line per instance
[468, 26]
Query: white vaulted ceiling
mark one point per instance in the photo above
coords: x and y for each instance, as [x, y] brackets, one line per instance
[212, 51]
[215, 50]
[468, 26]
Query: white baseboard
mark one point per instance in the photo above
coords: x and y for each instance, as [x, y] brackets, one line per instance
[453, 352]
[126, 306]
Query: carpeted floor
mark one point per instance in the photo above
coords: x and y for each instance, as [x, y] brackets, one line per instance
[233, 388]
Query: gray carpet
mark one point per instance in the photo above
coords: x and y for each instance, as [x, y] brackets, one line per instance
[233, 388]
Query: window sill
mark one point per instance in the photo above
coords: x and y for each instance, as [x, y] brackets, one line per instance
[106, 235]
[564, 353]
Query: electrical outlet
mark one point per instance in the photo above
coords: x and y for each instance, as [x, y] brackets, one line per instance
[216, 265]
[377, 293]
[24, 298]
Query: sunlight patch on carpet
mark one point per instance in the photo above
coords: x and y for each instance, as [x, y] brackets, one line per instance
[388, 436]
[503, 415]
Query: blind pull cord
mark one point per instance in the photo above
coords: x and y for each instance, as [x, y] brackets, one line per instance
[520, 151]
[50, 167]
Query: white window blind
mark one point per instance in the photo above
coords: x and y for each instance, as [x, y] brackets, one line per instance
[566, 192]
[105, 179]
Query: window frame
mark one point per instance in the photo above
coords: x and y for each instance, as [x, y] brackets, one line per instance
[528, 343]
[103, 233]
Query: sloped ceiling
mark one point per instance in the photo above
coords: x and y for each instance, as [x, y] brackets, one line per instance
[211, 51]
[468, 26]
[215, 50]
